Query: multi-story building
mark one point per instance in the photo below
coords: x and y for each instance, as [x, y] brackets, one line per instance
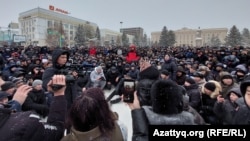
[7, 34]
[135, 31]
[110, 37]
[194, 37]
[34, 24]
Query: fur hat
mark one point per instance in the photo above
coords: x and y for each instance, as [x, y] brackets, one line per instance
[7, 85]
[217, 90]
[167, 97]
[37, 82]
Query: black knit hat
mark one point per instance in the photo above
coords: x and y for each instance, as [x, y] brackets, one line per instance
[165, 72]
[190, 80]
[3, 95]
[7, 85]
[210, 86]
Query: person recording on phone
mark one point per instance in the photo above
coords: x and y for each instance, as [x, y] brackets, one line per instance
[59, 59]
[166, 109]
[97, 78]
[24, 126]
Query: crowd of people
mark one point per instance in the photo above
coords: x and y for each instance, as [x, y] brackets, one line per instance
[58, 93]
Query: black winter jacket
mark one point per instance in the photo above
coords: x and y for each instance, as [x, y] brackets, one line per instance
[36, 100]
[71, 87]
[146, 79]
[143, 117]
[27, 126]
[194, 95]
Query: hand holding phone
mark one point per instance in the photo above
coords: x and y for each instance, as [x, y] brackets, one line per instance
[128, 90]
[220, 99]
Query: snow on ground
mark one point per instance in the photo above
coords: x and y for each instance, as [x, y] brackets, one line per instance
[124, 113]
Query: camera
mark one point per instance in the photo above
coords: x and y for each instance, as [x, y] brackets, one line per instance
[69, 68]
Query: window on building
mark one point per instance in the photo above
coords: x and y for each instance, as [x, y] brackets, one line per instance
[71, 26]
[49, 23]
[56, 24]
[33, 29]
[66, 26]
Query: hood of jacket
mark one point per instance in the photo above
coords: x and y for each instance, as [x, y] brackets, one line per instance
[236, 91]
[56, 54]
[149, 73]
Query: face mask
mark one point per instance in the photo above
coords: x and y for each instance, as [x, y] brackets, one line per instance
[240, 77]
[159, 67]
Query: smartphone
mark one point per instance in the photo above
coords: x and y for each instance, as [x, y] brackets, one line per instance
[128, 90]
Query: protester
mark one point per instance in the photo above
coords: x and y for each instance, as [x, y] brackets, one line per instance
[98, 78]
[193, 92]
[147, 76]
[36, 100]
[23, 126]
[242, 113]
[60, 58]
[170, 66]
[225, 108]
[90, 118]
[166, 109]
[210, 91]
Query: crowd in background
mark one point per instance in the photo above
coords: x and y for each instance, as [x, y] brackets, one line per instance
[212, 82]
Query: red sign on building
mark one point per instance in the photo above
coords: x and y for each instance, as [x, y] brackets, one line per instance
[51, 7]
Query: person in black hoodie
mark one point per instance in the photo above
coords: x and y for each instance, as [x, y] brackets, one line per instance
[147, 76]
[59, 60]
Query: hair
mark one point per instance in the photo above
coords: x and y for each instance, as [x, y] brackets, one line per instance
[90, 110]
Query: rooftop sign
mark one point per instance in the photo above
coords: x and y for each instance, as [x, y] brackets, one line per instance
[53, 8]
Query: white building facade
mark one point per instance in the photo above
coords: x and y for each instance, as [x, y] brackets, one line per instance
[34, 24]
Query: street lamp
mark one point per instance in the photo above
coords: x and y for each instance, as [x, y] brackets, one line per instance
[121, 26]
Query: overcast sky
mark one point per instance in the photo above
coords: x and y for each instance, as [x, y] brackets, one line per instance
[151, 15]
